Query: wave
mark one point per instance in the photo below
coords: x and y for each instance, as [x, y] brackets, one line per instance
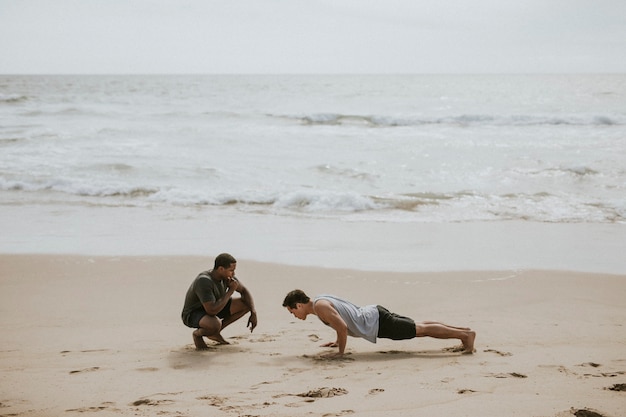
[580, 171]
[338, 119]
[12, 98]
[351, 173]
[10, 141]
[78, 188]
[572, 171]
[66, 111]
[459, 206]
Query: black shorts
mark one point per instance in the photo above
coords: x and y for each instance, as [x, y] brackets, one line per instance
[194, 318]
[394, 326]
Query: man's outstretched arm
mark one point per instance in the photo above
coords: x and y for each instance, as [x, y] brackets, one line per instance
[327, 313]
[246, 297]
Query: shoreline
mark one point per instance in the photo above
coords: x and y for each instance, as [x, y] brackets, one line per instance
[103, 333]
[332, 243]
[195, 259]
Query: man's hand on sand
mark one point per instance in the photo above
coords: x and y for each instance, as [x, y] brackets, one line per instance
[252, 322]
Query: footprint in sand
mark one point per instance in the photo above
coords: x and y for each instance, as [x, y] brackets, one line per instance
[148, 401]
[104, 406]
[586, 412]
[296, 404]
[611, 374]
[264, 338]
[65, 352]
[213, 400]
[260, 384]
[392, 352]
[340, 413]
[498, 352]
[600, 374]
[11, 403]
[508, 375]
[375, 391]
[94, 368]
[454, 349]
[322, 358]
[465, 391]
[592, 364]
[618, 387]
[149, 369]
[324, 392]
[86, 409]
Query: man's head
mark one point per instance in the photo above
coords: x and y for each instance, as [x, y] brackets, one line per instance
[224, 260]
[294, 297]
[225, 265]
[295, 302]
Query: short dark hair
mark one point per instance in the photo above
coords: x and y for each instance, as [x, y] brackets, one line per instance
[224, 260]
[294, 297]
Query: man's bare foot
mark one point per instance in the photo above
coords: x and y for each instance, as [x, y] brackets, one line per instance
[468, 344]
[219, 339]
[199, 341]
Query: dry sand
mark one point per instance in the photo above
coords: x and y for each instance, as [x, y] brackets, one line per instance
[82, 335]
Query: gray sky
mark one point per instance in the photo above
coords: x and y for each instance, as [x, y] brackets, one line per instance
[312, 36]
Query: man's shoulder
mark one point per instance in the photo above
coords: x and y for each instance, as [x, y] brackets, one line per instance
[323, 303]
[204, 274]
[328, 298]
[204, 278]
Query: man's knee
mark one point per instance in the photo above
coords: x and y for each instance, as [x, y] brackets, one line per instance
[238, 307]
[420, 330]
[210, 322]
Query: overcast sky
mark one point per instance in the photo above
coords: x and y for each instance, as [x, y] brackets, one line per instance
[312, 36]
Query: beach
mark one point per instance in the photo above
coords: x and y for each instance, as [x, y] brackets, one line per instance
[102, 334]
[489, 201]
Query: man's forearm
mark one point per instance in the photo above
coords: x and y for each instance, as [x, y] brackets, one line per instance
[246, 297]
[342, 340]
[219, 304]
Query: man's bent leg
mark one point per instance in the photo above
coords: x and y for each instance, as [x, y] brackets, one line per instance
[447, 325]
[442, 331]
[237, 310]
[210, 327]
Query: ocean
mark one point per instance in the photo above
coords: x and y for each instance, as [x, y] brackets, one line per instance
[333, 170]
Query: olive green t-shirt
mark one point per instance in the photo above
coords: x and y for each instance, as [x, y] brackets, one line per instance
[201, 290]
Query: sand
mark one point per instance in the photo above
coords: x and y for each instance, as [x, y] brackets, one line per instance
[86, 334]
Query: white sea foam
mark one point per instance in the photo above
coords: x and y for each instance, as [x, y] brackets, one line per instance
[12, 98]
[458, 120]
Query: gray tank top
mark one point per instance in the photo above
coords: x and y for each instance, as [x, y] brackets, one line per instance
[361, 321]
